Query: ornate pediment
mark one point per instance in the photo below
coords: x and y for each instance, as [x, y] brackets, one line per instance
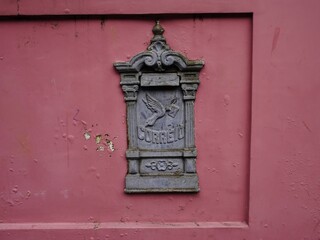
[159, 57]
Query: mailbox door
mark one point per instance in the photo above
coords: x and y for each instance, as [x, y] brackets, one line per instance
[64, 128]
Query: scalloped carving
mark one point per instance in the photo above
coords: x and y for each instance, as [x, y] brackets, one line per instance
[159, 56]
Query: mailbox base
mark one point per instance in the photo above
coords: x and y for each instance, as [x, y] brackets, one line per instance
[136, 183]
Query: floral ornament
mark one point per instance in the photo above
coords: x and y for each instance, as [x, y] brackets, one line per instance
[161, 165]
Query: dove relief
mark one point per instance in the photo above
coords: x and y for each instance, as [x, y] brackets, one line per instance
[158, 109]
[171, 132]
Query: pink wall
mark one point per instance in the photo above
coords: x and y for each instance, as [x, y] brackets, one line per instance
[257, 124]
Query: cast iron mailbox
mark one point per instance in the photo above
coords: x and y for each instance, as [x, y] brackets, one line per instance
[159, 88]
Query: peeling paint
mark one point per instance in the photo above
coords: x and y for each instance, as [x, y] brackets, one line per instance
[98, 139]
[100, 148]
[87, 136]
[110, 145]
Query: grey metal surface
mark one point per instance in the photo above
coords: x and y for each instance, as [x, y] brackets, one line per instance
[159, 88]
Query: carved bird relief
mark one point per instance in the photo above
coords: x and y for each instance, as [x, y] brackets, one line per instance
[158, 109]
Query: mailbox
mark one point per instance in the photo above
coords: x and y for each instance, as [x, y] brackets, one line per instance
[159, 87]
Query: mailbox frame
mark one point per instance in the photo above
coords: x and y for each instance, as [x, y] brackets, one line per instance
[162, 70]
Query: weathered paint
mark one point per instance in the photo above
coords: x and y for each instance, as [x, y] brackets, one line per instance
[256, 115]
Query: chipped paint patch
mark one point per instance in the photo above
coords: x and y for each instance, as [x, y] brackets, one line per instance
[87, 136]
[110, 145]
[100, 148]
[103, 141]
[98, 139]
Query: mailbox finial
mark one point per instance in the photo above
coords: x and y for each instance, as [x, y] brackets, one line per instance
[158, 32]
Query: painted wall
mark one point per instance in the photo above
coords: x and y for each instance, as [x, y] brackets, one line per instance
[256, 121]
